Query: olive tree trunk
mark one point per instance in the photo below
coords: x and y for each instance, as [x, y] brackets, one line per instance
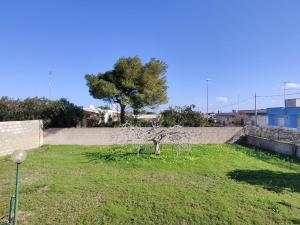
[156, 147]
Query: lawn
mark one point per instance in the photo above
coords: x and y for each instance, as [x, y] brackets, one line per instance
[215, 184]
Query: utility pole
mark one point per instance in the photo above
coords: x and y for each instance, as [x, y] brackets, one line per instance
[207, 80]
[255, 103]
[238, 105]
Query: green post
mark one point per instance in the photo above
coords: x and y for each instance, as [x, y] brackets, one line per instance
[16, 195]
[11, 209]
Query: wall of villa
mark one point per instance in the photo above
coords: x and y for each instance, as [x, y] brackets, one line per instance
[26, 135]
[109, 136]
[20, 135]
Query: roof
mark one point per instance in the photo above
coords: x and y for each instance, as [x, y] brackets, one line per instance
[92, 110]
[225, 114]
[147, 116]
[98, 110]
[252, 112]
[245, 112]
[283, 111]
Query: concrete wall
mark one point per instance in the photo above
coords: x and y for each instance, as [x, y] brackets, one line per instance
[108, 136]
[16, 135]
[285, 148]
[277, 134]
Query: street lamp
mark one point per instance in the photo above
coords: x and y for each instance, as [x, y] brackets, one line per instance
[207, 80]
[18, 157]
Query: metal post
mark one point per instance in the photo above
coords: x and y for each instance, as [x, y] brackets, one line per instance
[207, 80]
[11, 209]
[238, 105]
[16, 195]
[255, 110]
[207, 98]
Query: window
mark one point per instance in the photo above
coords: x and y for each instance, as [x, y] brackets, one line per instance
[298, 122]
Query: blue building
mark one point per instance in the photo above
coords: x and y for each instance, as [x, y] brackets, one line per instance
[288, 116]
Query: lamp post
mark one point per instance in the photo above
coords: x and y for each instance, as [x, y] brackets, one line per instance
[18, 157]
[207, 80]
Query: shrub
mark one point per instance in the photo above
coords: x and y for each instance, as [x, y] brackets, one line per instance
[59, 113]
[184, 116]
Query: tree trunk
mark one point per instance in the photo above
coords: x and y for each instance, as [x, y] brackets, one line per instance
[123, 116]
[157, 147]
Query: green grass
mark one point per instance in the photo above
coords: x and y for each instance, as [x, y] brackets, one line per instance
[216, 184]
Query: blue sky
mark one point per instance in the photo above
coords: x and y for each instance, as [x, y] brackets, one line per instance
[244, 46]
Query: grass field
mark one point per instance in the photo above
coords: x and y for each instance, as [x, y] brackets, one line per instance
[216, 184]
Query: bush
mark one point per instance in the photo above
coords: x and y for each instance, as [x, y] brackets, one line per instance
[141, 123]
[62, 113]
[184, 116]
[59, 113]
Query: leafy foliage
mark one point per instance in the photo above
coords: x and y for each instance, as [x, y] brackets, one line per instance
[184, 116]
[131, 83]
[59, 113]
[140, 122]
[62, 113]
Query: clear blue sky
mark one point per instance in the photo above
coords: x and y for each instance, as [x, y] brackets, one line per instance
[244, 46]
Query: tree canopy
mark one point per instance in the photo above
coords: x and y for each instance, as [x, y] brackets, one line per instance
[131, 83]
[184, 116]
[58, 113]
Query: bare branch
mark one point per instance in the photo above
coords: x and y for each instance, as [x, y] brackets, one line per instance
[173, 135]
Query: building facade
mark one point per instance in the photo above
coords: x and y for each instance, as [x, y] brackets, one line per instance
[93, 116]
[288, 116]
[243, 118]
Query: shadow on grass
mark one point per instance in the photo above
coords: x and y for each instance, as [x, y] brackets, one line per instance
[115, 156]
[295, 221]
[270, 180]
[118, 155]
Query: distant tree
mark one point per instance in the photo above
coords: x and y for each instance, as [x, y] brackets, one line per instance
[184, 116]
[59, 113]
[62, 113]
[28, 109]
[130, 83]
[8, 108]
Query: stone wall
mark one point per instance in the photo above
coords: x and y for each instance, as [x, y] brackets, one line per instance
[279, 134]
[16, 135]
[108, 136]
[280, 140]
[285, 148]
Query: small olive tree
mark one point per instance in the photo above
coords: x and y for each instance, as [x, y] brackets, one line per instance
[173, 135]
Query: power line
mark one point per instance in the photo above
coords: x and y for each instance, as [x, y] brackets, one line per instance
[282, 95]
[236, 103]
[258, 96]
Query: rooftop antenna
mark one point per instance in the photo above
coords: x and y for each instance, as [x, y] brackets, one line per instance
[50, 83]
